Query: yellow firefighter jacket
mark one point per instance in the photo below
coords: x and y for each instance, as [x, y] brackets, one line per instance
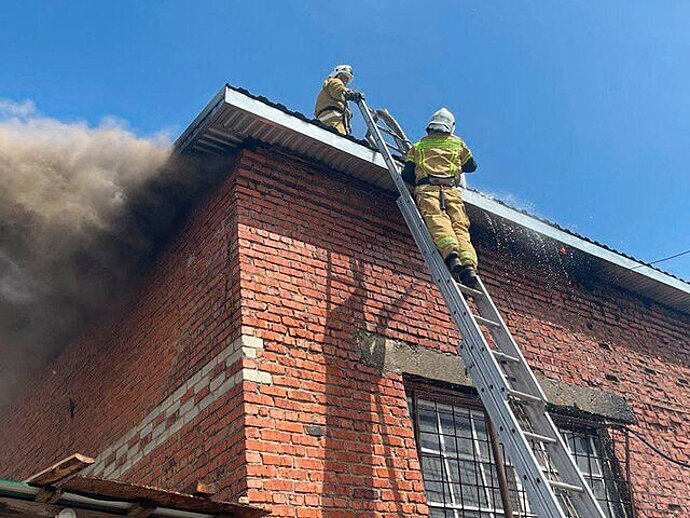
[331, 96]
[439, 154]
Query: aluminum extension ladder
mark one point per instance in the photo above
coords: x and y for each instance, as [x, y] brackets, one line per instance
[512, 396]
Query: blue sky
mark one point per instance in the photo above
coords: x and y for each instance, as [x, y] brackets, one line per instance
[576, 110]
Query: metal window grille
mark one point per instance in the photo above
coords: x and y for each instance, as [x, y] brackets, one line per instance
[597, 451]
[460, 475]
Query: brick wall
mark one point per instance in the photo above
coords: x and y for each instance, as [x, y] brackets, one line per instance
[125, 375]
[323, 258]
[280, 271]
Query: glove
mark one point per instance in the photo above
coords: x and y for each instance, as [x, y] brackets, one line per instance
[353, 95]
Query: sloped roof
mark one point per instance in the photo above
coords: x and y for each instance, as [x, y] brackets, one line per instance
[235, 114]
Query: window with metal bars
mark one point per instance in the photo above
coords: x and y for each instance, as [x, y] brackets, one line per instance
[460, 475]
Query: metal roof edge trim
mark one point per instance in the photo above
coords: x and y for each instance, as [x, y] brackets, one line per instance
[260, 108]
[199, 123]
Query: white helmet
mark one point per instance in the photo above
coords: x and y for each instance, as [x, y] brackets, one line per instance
[443, 121]
[346, 70]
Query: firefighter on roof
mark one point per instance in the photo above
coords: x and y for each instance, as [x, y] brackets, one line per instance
[331, 105]
[434, 165]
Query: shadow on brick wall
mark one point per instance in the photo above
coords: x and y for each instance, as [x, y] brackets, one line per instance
[354, 411]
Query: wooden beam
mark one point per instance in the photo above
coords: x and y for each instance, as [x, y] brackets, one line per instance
[60, 471]
[124, 491]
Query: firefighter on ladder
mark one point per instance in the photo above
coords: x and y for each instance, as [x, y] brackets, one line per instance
[434, 165]
[331, 105]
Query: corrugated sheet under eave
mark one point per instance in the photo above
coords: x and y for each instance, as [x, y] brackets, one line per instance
[233, 116]
[231, 124]
[638, 283]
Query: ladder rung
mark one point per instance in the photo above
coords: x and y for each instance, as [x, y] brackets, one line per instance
[505, 358]
[386, 130]
[487, 322]
[525, 397]
[565, 486]
[469, 291]
[394, 147]
[539, 438]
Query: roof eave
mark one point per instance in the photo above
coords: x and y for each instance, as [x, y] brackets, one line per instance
[234, 115]
[482, 202]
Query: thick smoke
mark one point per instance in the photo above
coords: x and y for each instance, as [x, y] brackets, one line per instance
[82, 211]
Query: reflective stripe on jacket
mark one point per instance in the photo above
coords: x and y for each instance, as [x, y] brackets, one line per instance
[332, 95]
[439, 154]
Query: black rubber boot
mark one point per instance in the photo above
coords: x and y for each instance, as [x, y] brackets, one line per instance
[467, 275]
[453, 263]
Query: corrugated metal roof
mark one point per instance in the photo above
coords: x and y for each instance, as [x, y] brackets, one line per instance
[235, 114]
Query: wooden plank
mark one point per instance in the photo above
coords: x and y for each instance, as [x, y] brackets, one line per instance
[60, 471]
[116, 490]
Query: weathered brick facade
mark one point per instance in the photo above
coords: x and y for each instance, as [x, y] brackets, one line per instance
[239, 359]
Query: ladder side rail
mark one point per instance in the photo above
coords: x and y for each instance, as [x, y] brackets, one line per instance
[488, 381]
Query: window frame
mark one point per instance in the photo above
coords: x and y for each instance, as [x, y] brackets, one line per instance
[598, 432]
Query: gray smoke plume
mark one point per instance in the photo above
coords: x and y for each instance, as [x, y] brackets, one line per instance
[82, 211]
